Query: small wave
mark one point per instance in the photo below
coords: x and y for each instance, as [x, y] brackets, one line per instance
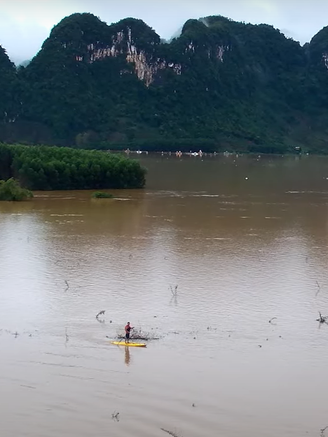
[306, 192]
[272, 218]
[218, 238]
[204, 195]
[66, 215]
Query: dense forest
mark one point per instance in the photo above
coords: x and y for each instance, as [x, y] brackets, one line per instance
[221, 85]
[63, 168]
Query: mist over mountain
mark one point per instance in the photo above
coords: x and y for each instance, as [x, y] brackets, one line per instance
[219, 85]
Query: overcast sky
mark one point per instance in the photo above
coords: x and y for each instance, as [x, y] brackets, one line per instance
[25, 24]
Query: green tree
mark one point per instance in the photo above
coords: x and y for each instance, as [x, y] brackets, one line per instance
[10, 190]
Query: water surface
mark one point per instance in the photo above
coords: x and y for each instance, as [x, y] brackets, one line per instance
[245, 241]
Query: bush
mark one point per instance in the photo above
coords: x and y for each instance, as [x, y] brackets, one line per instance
[11, 190]
[102, 195]
[63, 168]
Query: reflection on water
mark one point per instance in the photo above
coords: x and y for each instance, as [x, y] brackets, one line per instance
[243, 239]
[127, 358]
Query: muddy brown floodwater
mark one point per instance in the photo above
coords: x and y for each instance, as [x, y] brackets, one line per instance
[243, 238]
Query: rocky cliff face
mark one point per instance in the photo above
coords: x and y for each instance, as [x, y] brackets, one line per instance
[145, 66]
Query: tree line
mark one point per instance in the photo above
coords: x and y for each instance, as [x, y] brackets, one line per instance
[61, 168]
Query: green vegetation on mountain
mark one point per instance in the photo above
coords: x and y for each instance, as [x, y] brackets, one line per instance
[219, 85]
[62, 168]
[8, 88]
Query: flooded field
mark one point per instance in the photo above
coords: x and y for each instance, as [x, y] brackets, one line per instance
[239, 350]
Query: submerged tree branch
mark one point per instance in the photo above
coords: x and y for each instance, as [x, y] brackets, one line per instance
[174, 290]
[322, 319]
[101, 313]
[171, 433]
[322, 431]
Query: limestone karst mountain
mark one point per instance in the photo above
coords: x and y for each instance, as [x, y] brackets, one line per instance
[220, 84]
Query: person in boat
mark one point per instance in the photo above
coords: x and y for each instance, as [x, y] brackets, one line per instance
[127, 328]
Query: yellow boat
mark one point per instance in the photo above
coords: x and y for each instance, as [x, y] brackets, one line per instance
[122, 343]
